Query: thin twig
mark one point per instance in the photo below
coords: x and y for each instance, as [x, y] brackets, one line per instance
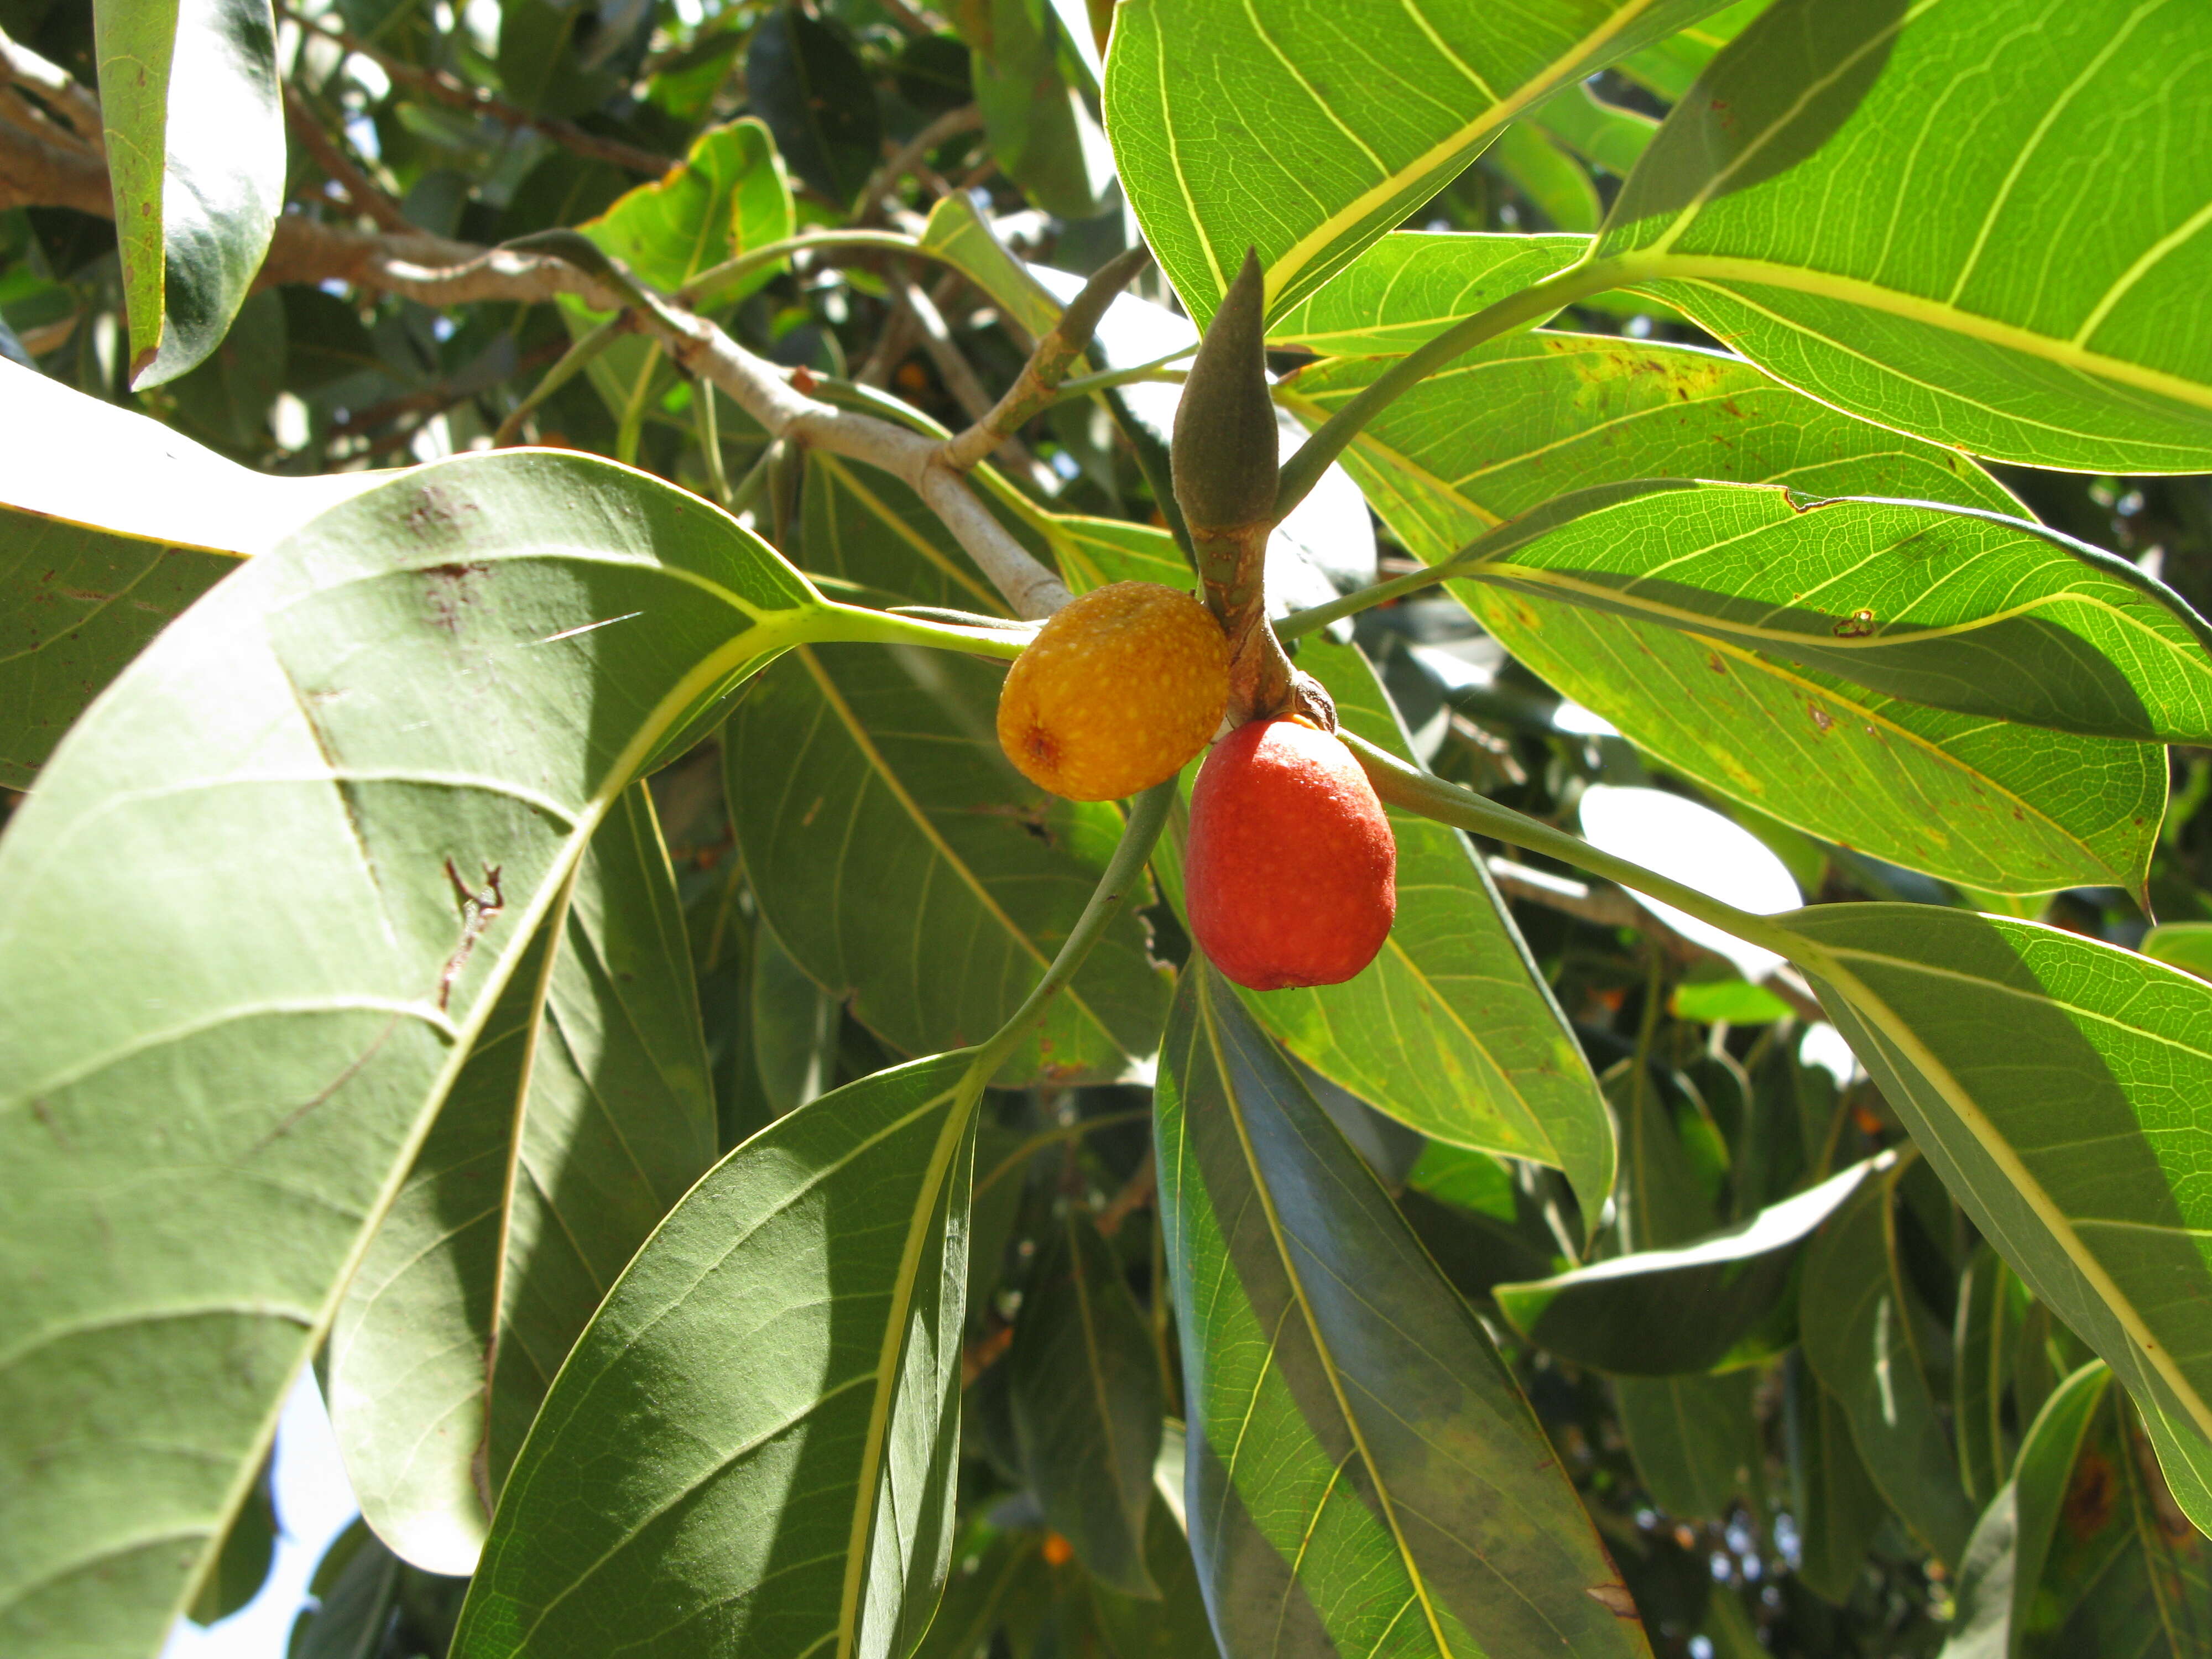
[959, 378]
[950, 124]
[365, 195]
[1040, 377]
[457, 94]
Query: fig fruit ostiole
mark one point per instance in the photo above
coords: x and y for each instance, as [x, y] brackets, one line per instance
[1290, 874]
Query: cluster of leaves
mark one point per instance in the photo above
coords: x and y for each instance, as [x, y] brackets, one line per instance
[631, 1096]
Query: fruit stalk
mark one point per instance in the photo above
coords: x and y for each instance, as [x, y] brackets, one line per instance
[1224, 462]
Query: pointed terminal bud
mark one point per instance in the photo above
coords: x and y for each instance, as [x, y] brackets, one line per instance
[1224, 432]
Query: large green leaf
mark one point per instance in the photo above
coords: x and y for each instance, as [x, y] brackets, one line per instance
[1308, 132]
[1894, 779]
[729, 195]
[751, 1450]
[1451, 1029]
[1657, 1312]
[956, 233]
[1412, 285]
[818, 98]
[2047, 304]
[580, 1119]
[195, 131]
[469, 666]
[1965, 610]
[1363, 1475]
[1866, 1336]
[1038, 125]
[1695, 1439]
[91, 572]
[906, 865]
[1086, 1397]
[869, 529]
[2054, 1082]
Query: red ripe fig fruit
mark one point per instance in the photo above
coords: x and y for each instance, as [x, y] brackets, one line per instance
[1291, 873]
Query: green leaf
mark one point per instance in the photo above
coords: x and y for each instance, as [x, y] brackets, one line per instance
[1890, 778]
[1543, 171]
[1036, 123]
[817, 98]
[1837, 1505]
[1695, 1439]
[255, 1042]
[1668, 67]
[1865, 1335]
[2185, 945]
[1451, 1029]
[2012, 1540]
[93, 573]
[354, 1586]
[1361, 125]
[991, 1573]
[869, 529]
[1176, 1626]
[1662, 1201]
[2096, 1206]
[528, 1205]
[1604, 135]
[1086, 1390]
[2028, 316]
[795, 1026]
[730, 194]
[1992, 1302]
[1361, 1466]
[908, 868]
[752, 1448]
[241, 1567]
[195, 134]
[1659, 1312]
[1407, 288]
[1957, 608]
[956, 233]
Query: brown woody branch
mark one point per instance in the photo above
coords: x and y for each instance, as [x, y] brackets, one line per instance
[365, 195]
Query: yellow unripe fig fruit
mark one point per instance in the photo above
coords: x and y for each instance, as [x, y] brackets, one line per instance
[1119, 690]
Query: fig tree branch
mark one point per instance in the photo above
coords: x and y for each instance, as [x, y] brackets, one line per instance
[439, 272]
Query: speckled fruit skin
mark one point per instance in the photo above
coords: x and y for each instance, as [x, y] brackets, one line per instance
[1291, 877]
[1117, 692]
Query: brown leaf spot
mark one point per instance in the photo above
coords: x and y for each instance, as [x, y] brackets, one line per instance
[1614, 1599]
[1713, 661]
[1821, 717]
[2090, 1495]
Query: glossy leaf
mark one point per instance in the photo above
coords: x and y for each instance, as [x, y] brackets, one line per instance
[1364, 124]
[2030, 316]
[1897, 780]
[1694, 1439]
[1865, 1335]
[907, 867]
[729, 195]
[417, 677]
[1659, 1312]
[956, 233]
[817, 98]
[1989, 616]
[1085, 1391]
[195, 139]
[1038, 127]
[1361, 1468]
[752, 1448]
[2051, 1081]
[1409, 287]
